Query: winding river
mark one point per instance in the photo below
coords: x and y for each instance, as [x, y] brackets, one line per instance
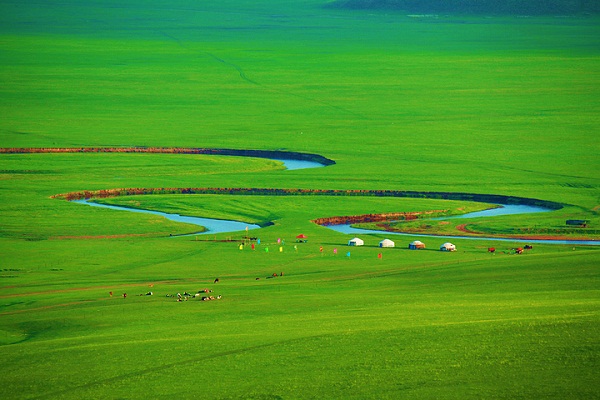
[211, 225]
[225, 226]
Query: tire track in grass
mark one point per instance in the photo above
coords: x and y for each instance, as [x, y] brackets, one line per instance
[230, 64]
[285, 92]
[236, 67]
[96, 288]
[172, 365]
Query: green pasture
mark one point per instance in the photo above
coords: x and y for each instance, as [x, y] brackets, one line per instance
[476, 104]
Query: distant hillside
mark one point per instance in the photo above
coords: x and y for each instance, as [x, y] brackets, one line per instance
[506, 7]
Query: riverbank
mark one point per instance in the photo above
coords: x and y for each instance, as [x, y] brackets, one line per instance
[350, 230]
[381, 222]
[206, 225]
[460, 230]
[348, 225]
[481, 198]
[421, 224]
[367, 218]
[464, 232]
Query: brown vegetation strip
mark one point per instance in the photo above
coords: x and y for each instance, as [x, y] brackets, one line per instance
[485, 198]
[273, 154]
[463, 228]
[357, 219]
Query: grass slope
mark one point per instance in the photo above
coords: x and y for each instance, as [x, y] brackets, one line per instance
[501, 105]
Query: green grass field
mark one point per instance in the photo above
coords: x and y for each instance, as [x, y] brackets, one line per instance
[476, 104]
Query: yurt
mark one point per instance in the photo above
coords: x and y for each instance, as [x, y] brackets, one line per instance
[416, 245]
[356, 242]
[386, 243]
[448, 247]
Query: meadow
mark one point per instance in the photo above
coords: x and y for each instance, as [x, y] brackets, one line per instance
[475, 104]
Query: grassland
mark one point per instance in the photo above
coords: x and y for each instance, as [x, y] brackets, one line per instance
[466, 104]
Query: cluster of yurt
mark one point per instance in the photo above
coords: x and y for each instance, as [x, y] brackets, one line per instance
[418, 245]
[415, 245]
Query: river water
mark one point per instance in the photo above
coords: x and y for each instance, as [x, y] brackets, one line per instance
[225, 226]
[299, 164]
[211, 225]
[510, 209]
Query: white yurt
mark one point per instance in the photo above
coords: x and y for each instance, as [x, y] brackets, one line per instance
[386, 243]
[448, 247]
[356, 242]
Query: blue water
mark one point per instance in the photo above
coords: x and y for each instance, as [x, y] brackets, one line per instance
[224, 226]
[211, 225]
[502, 210]
[299, 164]
[347, 229]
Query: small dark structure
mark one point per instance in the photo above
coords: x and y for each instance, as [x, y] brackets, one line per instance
[582, 223]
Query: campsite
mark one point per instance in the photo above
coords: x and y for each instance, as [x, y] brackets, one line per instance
[188, 108]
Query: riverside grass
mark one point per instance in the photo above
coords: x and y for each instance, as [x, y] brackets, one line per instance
[469, 104]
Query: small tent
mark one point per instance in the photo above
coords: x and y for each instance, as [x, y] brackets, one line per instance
[386, 243]
[448, 247]
[416, 245]
[301, 238]
[356, 242]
